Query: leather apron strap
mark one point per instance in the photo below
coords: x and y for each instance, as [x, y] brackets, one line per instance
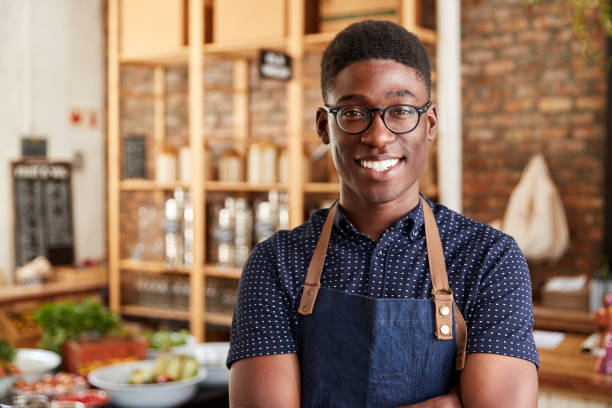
[442, 294]
[312, 283]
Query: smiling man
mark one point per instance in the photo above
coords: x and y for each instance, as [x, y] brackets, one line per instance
[385, 299]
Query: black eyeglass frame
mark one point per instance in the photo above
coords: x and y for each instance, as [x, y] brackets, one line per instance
[420, 111]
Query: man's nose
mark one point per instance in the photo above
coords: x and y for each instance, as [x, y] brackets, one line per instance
[377, 135]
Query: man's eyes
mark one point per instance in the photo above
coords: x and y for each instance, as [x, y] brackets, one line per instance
[402, 112]
[353, 113]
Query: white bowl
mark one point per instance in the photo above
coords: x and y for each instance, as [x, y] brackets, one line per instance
[212, 356]
[33, 363]
[114, 380]
[6, 383]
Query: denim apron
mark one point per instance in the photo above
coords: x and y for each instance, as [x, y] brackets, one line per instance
[358, 351]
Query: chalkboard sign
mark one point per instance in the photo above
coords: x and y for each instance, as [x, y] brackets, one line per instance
[274, 65]
[134, 157]
[42, 201]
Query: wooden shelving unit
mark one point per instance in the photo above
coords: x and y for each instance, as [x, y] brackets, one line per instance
[149, 266]
[140, 311]
[193, 56]
[214, 271]
[243, 186]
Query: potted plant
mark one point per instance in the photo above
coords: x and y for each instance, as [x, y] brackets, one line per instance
[87, 335]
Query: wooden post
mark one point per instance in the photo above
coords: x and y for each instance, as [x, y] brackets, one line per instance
[241, 104]
[159, 122]
[114, 161]
[196, 135]
[295, 108]
[410, 11]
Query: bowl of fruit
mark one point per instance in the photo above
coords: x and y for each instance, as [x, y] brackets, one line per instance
[8, 369]
[168, 381]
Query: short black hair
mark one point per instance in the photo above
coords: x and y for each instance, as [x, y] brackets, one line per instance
[368, 40]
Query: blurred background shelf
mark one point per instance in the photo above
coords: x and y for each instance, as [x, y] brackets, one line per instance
[151, 266]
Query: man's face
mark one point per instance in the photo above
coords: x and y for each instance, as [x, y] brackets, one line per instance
[378, 166]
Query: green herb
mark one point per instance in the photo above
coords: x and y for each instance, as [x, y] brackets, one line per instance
[66, 320]
[7, 352]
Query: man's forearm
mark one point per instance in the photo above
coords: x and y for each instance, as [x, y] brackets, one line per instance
[450, 400]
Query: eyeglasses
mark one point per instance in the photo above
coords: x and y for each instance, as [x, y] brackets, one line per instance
[398, 119]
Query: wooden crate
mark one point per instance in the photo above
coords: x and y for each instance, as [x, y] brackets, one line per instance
[335, 15]
[24, 335]
[78, 354]
[248, 20]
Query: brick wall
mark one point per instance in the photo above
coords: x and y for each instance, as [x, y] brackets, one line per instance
[528, 87]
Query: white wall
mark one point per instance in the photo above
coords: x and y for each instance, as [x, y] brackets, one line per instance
[51, 61]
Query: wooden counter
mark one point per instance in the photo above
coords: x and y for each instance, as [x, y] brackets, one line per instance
[78, 282]
[565, 369]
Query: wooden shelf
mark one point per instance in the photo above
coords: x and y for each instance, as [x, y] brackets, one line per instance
[90, 283]
[322, 188]
[151, 266]
[319, 41]
[243, 186]
[150, 185]
[426, 35]
[166, 57]
[573, 321]
[140, 311]
[214, 271]
[219, 319]
[245, 49]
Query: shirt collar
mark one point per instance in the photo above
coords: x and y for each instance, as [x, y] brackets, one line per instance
[410, 225]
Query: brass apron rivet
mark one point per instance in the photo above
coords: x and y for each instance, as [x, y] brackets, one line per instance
[309, 292]
[304, 308]
[444, 310]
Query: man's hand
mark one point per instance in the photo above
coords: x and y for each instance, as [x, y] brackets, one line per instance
[450, 400]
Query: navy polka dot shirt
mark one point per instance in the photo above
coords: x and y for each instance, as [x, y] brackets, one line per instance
[486, 270]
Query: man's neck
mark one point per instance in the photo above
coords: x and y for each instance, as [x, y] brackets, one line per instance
[373, 219]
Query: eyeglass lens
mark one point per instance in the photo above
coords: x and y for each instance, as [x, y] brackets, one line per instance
[398, 118]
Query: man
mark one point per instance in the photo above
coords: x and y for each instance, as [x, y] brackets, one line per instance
[366, 318]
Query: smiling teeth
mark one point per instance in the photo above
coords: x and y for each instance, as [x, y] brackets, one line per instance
[379, 165]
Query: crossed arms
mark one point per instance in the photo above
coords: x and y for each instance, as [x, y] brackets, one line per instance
[488, 380]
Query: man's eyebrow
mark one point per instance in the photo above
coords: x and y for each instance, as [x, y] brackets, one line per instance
[391, 94]
[400, 93]
[351, 96]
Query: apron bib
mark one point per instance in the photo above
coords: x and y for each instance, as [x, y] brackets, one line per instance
[358, 351]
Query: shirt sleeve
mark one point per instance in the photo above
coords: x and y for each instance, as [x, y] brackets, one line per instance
[500, 320]
[262, 316]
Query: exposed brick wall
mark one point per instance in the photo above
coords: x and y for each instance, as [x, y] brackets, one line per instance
[528, 88]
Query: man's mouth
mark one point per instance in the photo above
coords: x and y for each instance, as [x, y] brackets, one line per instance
[379, 165]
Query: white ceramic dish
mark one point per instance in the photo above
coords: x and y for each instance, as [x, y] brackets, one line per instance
[212, 356]
[6, 383]
[33, 363]
[114, 380]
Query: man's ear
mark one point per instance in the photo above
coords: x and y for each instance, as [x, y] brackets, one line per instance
[432, 122]
[322, 125]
